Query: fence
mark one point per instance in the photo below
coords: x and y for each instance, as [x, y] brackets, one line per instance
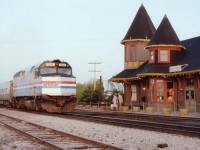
[147, 107]
[93, 106]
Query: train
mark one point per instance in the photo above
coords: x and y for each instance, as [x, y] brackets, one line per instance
[48, 86]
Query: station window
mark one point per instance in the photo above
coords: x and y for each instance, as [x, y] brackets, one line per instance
[164, 56]
[133, 54]
[160, 89]
[170, 92]
[151, 88]
[126, 54]
[133, 93]
[189, 95]
[189, 82]
[152, 57]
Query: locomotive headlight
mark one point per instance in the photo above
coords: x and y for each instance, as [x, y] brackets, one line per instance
[50, 64]
[62, 65]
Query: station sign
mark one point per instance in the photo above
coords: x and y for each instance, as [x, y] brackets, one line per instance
[177, 68]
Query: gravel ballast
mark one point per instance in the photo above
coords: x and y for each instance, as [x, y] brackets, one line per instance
[9, 140]
[126, 138]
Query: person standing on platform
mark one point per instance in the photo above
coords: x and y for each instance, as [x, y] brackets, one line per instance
[115, 100]
[120, 98]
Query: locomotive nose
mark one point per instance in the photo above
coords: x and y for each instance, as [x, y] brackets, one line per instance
[61, 86]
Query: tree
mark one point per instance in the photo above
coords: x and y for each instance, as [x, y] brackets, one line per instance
[79, 90]
[99, 92]
[86, 93]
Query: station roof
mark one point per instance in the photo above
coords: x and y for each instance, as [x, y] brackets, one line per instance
[141, 27]
[191, 54]
[129, 73]
[164, 35]
[190, 58]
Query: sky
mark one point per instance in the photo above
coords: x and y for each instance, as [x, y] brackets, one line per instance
[81, 31]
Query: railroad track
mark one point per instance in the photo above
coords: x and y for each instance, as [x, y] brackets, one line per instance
[161, 123]
[50, 138]
[11, 140]
[140, 116]
[177, 125]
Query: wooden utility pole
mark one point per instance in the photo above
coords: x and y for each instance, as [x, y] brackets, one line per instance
[94, 70]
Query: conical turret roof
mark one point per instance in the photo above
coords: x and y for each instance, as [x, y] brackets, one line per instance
[141, 27]
[165, 35]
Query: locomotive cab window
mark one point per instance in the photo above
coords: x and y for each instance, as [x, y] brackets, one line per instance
[55, 68]
[47, 71]
[66, 71]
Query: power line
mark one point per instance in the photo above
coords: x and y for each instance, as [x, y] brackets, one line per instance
[94, 70]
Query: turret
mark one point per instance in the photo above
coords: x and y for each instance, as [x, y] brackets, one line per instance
[139, 33]
[164, 46]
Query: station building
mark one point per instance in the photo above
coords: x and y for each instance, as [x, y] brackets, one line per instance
[158, 67]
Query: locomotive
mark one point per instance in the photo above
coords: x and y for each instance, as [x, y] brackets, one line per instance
[49, 86]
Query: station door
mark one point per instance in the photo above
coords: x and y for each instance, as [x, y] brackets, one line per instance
[190, 99]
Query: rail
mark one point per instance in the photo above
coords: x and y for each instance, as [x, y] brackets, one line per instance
[150, 122]
[51, 138]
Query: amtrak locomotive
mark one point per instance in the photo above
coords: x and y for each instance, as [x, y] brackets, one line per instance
[49, 86]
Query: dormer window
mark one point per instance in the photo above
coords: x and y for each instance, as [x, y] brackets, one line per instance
[163, 56]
